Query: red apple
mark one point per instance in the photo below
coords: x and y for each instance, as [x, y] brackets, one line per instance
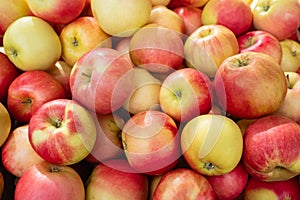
[47, 181]
[17, 152]
[29, 91]
[102, 80]
[116, 180]
[260, 41]
[272, 148]
[151, 142]
[261, 90]
[230, 185]
[62, 132]
[183, 183]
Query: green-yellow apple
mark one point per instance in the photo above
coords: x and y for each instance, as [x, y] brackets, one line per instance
[62, 132]
[212, 144]
[207, 47]
[272, 148]
[5, 124]
[80, 36]
[242, 97]
[39, 48]
[280, 18]
[234, 14]
[57, 11]
[290, 60]
[121, 18]
[185, 94]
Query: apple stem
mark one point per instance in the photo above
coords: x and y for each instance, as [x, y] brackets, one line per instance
[294, 53]
[288, 81]
[178, 94]
[75, 41]
[54, 168]
[28, 100]
[209, 166]
[14, 53]
[58, 123]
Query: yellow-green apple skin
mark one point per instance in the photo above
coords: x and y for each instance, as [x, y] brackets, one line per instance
[212, 144]
[290, 60]
[5, 123]
[208, 46]
[272, 148]
[121, 18]
[80, 36]
[160, 2]
[39, 48]
[234, 14]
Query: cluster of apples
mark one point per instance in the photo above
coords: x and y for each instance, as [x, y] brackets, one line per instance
[150, 99]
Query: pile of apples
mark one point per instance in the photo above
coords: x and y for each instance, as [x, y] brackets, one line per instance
[150, 99]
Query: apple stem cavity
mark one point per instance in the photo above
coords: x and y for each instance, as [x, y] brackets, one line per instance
[289, 82]
[178, 94]
[14, 53]
[209, 166]
[54, 168]
[57, 122]
[75, 42]
[28, 100]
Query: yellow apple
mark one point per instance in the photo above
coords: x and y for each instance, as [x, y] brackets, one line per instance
[5, 124]
[212, 144]
[290, 60]
[32, 44]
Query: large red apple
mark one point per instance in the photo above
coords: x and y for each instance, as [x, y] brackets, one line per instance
[47, 181]
[272, 148]
[29, 91]
[259, 92]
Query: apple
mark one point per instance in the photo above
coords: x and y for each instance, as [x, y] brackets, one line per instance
[183, 183]
[168, 18]
[101, 80]
[230, 185]
[212, 144]
[8, 72]
[5, 124]
[207, 47]
[17, 152]
[151, 142]
[192, 18]
[244, 123]
[57, 11]
[272, 148]
[62, 132]
[39, 48]
[185, 94]
[29, 91]
[162, 56]
[116, 180]
[47, 181]
[256, 189]
[194, 3]
[234, 14]
[121, 18]
[289, 107]
[80, 36]
[160, 2]
[145, 95]
[290, 61]
[260, 41]
[261, 90]
[280, 18]
[153, 182]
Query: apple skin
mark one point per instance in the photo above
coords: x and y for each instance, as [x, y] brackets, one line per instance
[260, 41]
[242, 98]
[17, 152]
[162, 56]
[256, 189]
[29, 91]
[151, 142]
[280, 18]
[290, 61]
[80, 36]
[207, 155]
[62, 132]
[5, 124]
[185, 94]
[207, 47]
[234, 14]
[183, 183]
[101, 80]
[57, 11]
[194, 3]
[277, 159]
[230, 185]
[160, 2]
[60, 181]
[116, 180]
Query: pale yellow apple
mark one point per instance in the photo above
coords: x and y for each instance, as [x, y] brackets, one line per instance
[5, 124]
[290, 60]
[32, 44]
[212, 144]
[80, 36]
[160, 2]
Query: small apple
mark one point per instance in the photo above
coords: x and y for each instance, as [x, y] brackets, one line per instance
[62, 132]
[290, 61]
[212, 144]
[47, 181]
[29, 91]
[272, 148]
[39, 48]
[5, 124]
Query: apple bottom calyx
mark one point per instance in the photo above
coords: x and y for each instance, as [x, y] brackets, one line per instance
[209, 166]
[242, 62]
